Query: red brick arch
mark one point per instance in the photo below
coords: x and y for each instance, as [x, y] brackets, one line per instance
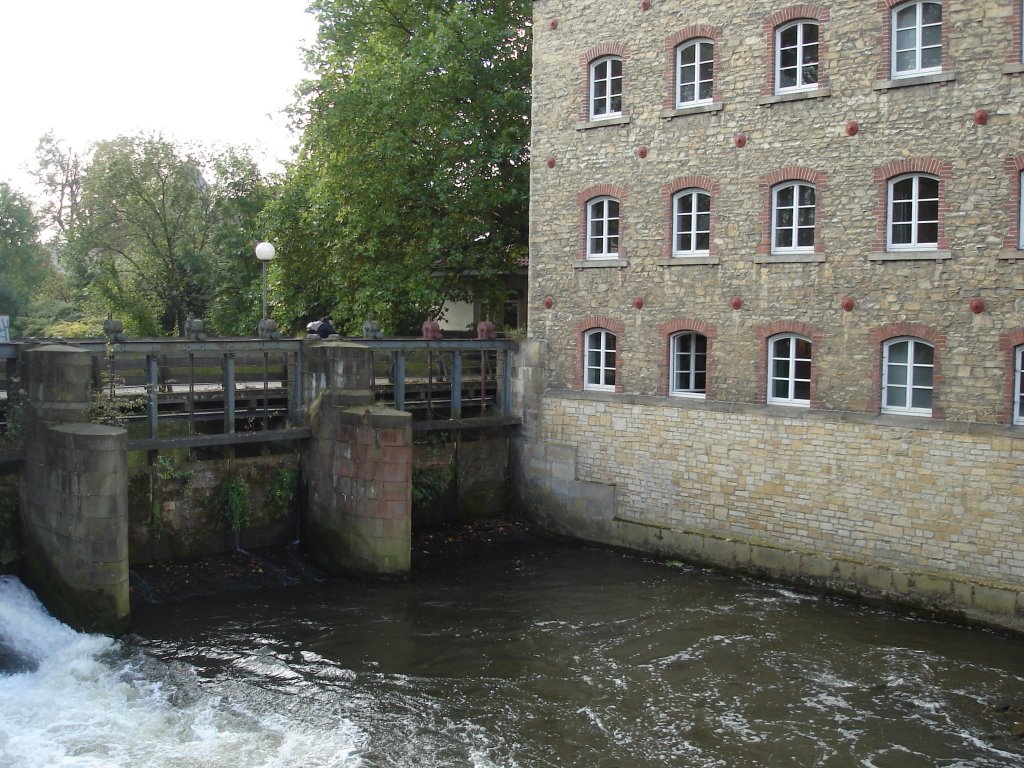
[595, 322]
[665, 333]
[763, 333]
[878, 336]
[1008, 344]
[791, 173]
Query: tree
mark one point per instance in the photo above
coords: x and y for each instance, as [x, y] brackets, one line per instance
[23, 260]
[412, 176]
[153, 233]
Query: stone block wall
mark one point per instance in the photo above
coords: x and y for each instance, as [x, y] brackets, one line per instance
[848, 137]
[925, 506]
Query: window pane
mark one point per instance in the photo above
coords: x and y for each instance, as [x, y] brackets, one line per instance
[901, 234]
[896, 397]
[780, 389]
[921, 398]
[931, 58]
[801, 390]
[803, 349]
[932, 13]
[903, 189]
[923, 376]
[928, 188]
[811, 36]
[924, 354]
[927, 233]
[806, 195]
[931, 36]
[686, 92]
[689, 55]
[802, 370]
[898, 352]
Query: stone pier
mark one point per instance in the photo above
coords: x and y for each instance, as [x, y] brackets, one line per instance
[73, 494]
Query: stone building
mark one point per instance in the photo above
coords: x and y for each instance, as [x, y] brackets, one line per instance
[777, 288]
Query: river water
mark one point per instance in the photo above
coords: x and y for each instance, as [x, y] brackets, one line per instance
[538, 655]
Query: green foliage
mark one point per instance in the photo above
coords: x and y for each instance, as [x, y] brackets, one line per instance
[283, 491]
[428, 485]
[233, 503]
[155, 233]
[107, 406]
[412, 183]
[24, 262]
[168, 469]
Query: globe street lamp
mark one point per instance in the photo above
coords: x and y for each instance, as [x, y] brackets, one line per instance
[265, 252]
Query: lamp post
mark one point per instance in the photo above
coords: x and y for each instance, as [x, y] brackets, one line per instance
[265, 252]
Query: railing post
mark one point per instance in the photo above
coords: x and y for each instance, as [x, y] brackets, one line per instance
[152, 394]
[456, 384]
[295, 390]
[229, 392]
[399, 375]
[506, 382]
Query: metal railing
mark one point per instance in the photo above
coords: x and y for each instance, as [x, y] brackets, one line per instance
[178, 393]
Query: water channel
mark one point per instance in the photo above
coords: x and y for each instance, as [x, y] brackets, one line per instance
[532, 656]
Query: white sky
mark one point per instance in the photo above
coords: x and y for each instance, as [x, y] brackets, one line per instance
[213, 72]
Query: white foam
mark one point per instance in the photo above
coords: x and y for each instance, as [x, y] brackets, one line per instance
[88, 705]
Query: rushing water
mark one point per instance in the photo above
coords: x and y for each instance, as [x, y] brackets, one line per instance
[547, 655]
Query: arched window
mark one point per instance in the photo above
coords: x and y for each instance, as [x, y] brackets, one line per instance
[916, 38]
[796, 57]
[913, 216]
[606, 88]
[599, 360]
[908, 367]
[691, 223]
[603, 228]
[689, 374]
[793, 217]
[695, 65]
[789, 370]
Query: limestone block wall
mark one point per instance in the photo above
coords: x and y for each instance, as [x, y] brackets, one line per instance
[847, 137]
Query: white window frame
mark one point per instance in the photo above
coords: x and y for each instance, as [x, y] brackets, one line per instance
[912, 378]
[603, 228]
[699, 62]
[600, 355]
[915, 221]
[790, 377]
[613, 87]
[802, 48]
[918, 29]
[794, 208]
[1018, 386]
[694, 229]
[688, 367]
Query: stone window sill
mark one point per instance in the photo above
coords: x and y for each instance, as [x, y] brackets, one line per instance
[789, 258]
[591, 124]
[1013, 68]
[688, 261]
[597, 263]
[910, 256]
[906, 82]
[697, 109]
[781, 98]
[1011, 254]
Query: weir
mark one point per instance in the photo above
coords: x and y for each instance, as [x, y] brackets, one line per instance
[343, 408]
